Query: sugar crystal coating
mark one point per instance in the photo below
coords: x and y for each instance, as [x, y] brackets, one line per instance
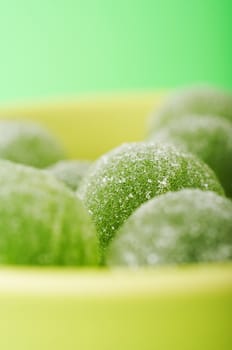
[201, 100]
[175, 228]
[133, 173]
[41, 221]
[29, 143]
[71, 172]
[208, 138]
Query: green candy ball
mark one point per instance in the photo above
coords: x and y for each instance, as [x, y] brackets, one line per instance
[188, 226]
[202, 100]
[208, 138]
[71, 172]
[41, 221]
[131, 174]
[28, 143]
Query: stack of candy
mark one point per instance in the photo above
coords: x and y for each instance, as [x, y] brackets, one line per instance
[163, 201]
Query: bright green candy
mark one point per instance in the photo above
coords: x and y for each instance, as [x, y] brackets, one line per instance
[71, 172]
[175, 228]
[41, 221]
[131, 174]
[28, 143]
[209, 138]
[202, 100]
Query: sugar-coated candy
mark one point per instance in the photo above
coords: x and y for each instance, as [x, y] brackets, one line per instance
[41, 220]
[29, 143]
[188, 226]
[200, 100]
[208, 138]
[133, 173]
[71, 172]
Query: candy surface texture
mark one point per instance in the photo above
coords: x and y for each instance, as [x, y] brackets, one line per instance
[133, 173]
[29, 143]
[175, 228]
[41, 221]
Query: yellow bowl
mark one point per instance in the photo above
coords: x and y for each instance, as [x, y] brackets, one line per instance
[90, 126]
[187, 308]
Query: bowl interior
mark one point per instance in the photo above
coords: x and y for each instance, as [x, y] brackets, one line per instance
[90, 126]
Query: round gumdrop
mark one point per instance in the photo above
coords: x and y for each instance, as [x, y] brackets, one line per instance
[71, 172]
[41, 220]
[209, 138]
[188, 226]
[29, 143]
[133, 173]
[201, 100]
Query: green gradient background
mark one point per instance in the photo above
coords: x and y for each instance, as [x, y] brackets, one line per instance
[53, 47]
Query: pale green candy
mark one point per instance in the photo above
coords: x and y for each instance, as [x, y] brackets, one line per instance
[182, 227]
[71, 172]
[210, 138]
[133, 173]
[29, 143]
[41, 220]
[202, 100]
